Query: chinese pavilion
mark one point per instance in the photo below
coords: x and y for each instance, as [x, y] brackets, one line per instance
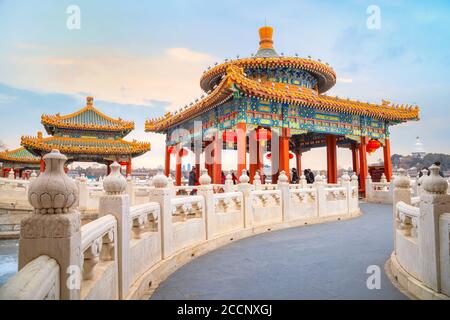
[18, 160]
[279, 100]
[87, 135]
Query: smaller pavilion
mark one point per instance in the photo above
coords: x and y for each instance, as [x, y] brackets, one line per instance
[18, 160]
[87, 135]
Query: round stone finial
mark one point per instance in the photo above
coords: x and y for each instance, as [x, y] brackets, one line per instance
[282, 177]
[354, 177]
[115, 183]
[229, 177]
[345, 177]
[257, 178]
[204, 178]
[244, 178]
[402, 180]
[53, 191]
[160, 180]
[33, 175]
[318, 178]
[434, 183]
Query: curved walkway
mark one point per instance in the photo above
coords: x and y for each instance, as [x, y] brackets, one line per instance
[326, 261]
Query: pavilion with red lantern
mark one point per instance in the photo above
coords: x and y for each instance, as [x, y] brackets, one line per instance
[273, 105]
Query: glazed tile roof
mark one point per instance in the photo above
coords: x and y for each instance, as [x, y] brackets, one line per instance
[20, 155]
[87, 118]
[85, 145]
[295, 95]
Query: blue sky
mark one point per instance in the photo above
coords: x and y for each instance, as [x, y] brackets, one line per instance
[140, 58]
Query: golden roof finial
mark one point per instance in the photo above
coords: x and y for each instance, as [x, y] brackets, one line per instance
[265, 37]
[90, 101]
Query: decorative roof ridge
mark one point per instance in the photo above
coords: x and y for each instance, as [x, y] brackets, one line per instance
[7, 155]
[235, 76]
[57, 118]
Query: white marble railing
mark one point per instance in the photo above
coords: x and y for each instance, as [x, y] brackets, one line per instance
[124, 250]
[421, 257]
[99, 263]
[38, 280]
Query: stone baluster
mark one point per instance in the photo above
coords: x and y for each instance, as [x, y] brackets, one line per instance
[229, 182]
[162, 194]
[130, 189]
[206, 190]
[33, 175]
[11, 174]
[54, 227]
[402, 192]
[117, 203]
[433, 203]
[355, 180]
[83, 193]
[246, 188]
[303, 181]
[283, 186]
[346, 183]
[369, 188]
[319, 185]
[257, 181]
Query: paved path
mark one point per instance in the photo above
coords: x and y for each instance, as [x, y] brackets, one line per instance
[326, 261]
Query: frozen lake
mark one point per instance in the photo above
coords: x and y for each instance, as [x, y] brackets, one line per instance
[8, 259]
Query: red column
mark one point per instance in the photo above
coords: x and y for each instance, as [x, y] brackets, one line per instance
[217, 160]
[197, 163]
[241, 130]
[108, 168]
[387, 159]
[128, 168]
[178, 167]
[284, 150]
[363, 164]
[167, 162]
[253, 153]
[298, 158]
[331, 158]
[42, 165]
[355, 160]
[208, 159]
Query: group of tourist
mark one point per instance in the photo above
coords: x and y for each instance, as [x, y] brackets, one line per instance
[309, 176]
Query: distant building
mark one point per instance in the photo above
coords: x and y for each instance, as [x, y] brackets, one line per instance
[418, 150]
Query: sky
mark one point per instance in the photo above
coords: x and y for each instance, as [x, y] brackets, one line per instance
[140, 59]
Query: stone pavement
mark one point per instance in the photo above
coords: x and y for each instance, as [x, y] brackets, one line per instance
[326, 261]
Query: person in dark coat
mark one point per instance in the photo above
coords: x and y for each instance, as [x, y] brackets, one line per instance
[192, 177]
[235, 179]
[294, 175]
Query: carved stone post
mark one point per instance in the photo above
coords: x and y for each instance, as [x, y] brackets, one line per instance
[206, 190]
[257, 181]
[283, 186]
[402, 192]
[246, 188]
[117, 203]
[433, 203]
[229, 182]
[130, 189]
[54, 227]
[163, 194]
[83, 193]
[368, 188]
[319, 184]
[346, 183]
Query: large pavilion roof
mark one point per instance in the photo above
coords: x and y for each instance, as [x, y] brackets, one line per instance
[19, 155]
[81, 146]
[87, 118]
[235, 79]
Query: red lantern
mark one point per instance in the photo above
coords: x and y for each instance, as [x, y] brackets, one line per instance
[372, 146]
[269, 155]
[291, 156]
[230, 138]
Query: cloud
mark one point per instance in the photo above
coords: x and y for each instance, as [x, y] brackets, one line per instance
[6, 99]
[113, 75]
[345, 80]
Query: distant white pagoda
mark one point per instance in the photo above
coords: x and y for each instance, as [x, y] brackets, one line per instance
[418, 150]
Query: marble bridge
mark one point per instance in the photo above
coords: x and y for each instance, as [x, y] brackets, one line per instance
[253, 241]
